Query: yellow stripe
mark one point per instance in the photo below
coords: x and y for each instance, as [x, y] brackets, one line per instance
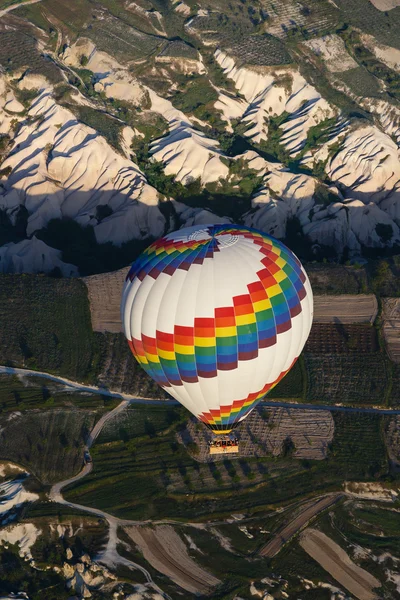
[204, 342]
[225, 331]
[274, 290]
[153, 358]
[262, 305]
[166, 354]
[280, 275]
[245, 319]
[184, 349]
[281, 262]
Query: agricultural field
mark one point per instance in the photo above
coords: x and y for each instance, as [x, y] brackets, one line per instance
[326, 338]
[362, 83]
[45, 325]
[303, 434]
[48, 443]
[262, 51]
[169, 483]
[351, 378]
[30, 393]
[18, 50]
[391, 327]
[105, 292]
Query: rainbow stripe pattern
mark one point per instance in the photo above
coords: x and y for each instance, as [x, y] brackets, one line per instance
[234, 333]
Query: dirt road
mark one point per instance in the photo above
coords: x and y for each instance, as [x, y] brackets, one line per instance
[337, 563]
[308, 512]
[15, 6]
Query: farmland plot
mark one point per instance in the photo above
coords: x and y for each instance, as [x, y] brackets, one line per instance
[105, 292]
[288, 14]
[391, 327]
[347, 378]
[267, 430]
[347, 308]
[327, 338]
[48, 443]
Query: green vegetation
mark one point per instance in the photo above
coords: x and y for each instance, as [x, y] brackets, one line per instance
[198, 92]
[45, 325]
[17, 575]
[139, 451]
[104, 124]
[361, 82]
[48, 443]
[38, 392]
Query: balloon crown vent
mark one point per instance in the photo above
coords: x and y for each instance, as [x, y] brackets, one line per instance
[224, 240]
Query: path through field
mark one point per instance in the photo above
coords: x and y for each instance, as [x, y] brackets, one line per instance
[309, 510]
[151, 402]
[109, 556]
[15, 6]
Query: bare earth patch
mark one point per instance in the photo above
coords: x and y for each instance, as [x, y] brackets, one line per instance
[337, 563]
[165, 551]
[105, 297]
[391, 327]
[333, 52]
[307, 512]
[383, 5]
[347, 308]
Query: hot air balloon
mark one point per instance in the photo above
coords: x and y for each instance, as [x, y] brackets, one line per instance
[217, 315]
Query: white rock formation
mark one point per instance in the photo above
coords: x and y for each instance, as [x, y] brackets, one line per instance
[33, 256]
[331, 49]
[185, 152]
[112, 78]
[24, 534]
[271, 92]
[13, 494]
[62, 168]
[367, 167]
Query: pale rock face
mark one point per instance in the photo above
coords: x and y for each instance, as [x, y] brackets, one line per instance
[13, 493]
[8, 104]
[33, 256]
[271, 92]
[332, 50]
[62, 168]
[23, 534]
[185, 152]
[230, 108]
[350, 224]
[113, 78]
[284, 195]
[367, 167]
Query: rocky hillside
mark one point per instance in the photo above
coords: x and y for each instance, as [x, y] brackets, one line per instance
[121, 121]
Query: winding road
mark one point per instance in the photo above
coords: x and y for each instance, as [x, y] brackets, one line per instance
[151, 402]
[15, 6]
[110, 556]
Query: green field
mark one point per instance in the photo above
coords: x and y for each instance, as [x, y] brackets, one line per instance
[48, 443]
[45, 325]
[141, 471]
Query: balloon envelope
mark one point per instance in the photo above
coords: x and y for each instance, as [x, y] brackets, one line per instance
[217, 315]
